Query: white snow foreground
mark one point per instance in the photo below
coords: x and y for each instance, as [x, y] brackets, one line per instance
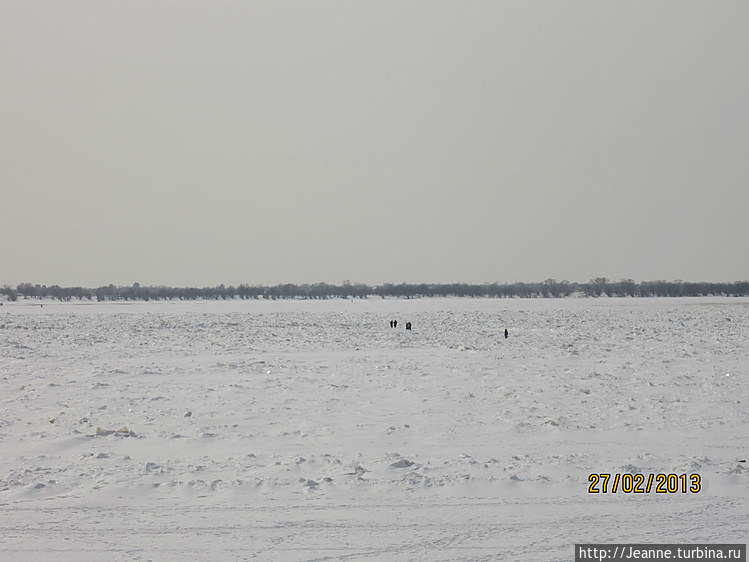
[311, 430]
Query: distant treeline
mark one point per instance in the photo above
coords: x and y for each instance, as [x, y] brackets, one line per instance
[549, 288]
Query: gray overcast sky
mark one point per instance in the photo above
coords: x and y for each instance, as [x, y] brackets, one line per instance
[261, 142]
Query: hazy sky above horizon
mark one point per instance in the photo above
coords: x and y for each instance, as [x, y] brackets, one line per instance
[199, 143]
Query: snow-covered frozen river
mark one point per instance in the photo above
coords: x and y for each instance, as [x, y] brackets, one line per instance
[312, 430]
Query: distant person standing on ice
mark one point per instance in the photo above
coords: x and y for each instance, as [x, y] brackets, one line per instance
[408, 325]
[507, 334]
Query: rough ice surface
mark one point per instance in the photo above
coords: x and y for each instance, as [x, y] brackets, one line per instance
[311, 430]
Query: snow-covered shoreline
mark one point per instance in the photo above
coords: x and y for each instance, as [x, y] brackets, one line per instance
[305, 430]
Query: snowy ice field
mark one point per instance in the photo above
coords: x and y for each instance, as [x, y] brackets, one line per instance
[311, 430]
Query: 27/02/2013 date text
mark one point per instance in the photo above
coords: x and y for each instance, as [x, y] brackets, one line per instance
[603, 483]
